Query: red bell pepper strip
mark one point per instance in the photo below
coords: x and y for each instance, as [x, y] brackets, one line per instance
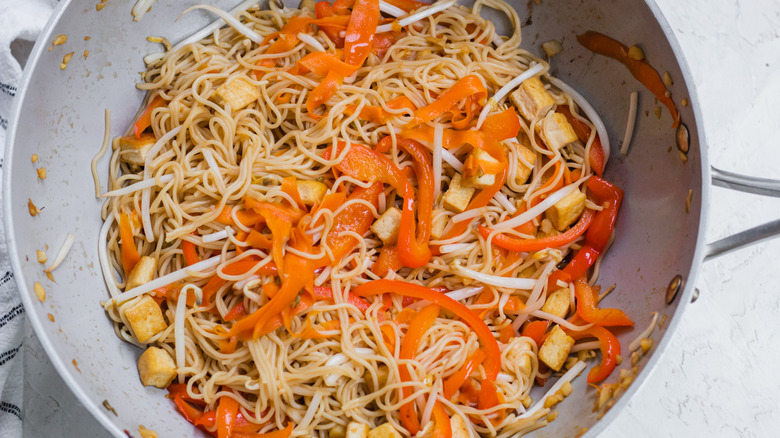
[227, 410]
[357, 218]
[609, 197]
[492, 364]
[323, 10]
[442, 427]
[456, 380]
[610, 349]
[587, 307]
[535, 330]
[189, 412]
[130, 254]
[596, 157]
[236, 312]
[145, 119]
[413, 249]
[326, 293]
[489, 398]
[529, 245]
[465, 87]
[409, 345]
[208, 419]
[641, 70]
[180, 389]
[361, 28]
[190, 253]
[367, 164]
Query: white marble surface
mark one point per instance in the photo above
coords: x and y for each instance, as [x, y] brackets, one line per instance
[718, 377]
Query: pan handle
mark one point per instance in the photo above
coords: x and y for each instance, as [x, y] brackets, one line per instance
[748, 184]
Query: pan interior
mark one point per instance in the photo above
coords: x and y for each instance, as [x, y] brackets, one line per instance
[60, 118]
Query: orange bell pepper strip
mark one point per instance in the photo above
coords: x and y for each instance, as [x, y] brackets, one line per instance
[145, 119]
[407, 5]
[321, 63]
[441, 422]
[529, 245]
[506, 334]
[129, 252]
[535, 330]
[465, 87]
[587, 307]
[387, 261]
[360, 31]
[409, 345]
[596, 156]
[190, 252]
[227, 410]
[413, 249]
[489, 398]
[236, 312]
[290, 187]
[492, 364]
[456, 380]
[357, 218]
[381, 43]
[610, 349]
[367, 164]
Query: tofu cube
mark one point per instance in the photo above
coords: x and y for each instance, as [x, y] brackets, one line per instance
[566, 211]
[134, 150]
[384, 431]
[532, 99]
[142, 273]
[311, 192]
[357, 430]
[156, 367]
[558, 303]
[387, 226]
[145, 318]
[238, 93]
[439, 223]
[457, 197]
[557, 132]
[555, 349]
[523, 171]
[480, 169]
[459, 428]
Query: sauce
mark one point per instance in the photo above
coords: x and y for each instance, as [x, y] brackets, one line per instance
[643, 72]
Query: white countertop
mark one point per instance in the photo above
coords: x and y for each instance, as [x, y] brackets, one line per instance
[718, 377]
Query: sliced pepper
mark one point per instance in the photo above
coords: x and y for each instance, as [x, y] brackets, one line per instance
[145, 119]
[492, 363]
[442, 427]
[610, 349]
[587, 307]
[529, 245]
[465, 87]
[409, 345]
[130, 254]
[596, 156]
[190, 252]
[227, 410]
[456, 380]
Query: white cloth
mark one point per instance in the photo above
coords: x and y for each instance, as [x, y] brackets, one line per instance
[19, 20]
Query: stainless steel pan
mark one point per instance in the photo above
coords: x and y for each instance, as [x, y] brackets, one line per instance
[59, 116]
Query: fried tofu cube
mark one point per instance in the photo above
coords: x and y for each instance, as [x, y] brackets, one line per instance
[555, 349]
[357, 430]
[523, 170]
[459, 428]
[566, 211]
[457, 197]
[134, 150]
[387, 226]
[384, 431]
[142, 273]
[558, 303]
[156, 367]
[480, 169]
[532, 99]
[145, 318]
[439, 223]
[238, 93]
[557, 132]
[311, 192]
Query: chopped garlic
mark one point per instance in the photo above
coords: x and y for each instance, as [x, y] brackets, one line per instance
[60, 40]
[39, 292]
[41, 173]
[646, 344]
[34, 158]
[668, 79]
[636, 53]
[552, 48]
[42, 259]
[34, 211]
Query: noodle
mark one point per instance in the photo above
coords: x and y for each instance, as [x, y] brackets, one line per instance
[265, 232]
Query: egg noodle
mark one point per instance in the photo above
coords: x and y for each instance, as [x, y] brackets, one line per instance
[333, 216]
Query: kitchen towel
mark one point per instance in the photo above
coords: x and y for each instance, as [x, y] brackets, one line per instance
[20, 21]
